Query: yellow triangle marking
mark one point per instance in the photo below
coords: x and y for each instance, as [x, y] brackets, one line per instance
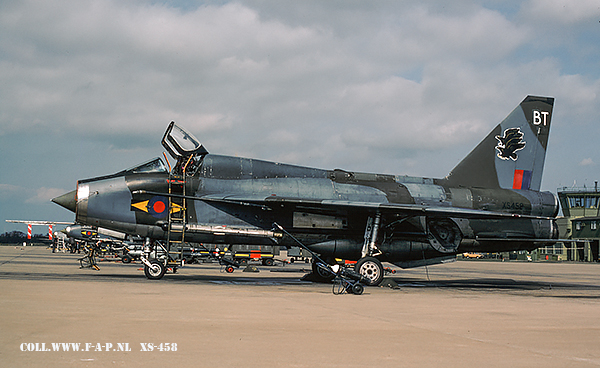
[175, 208]
[141, 205]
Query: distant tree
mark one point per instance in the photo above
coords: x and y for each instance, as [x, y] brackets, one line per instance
[13, 237]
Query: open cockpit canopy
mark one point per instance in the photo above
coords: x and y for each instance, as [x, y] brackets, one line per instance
[181, 144]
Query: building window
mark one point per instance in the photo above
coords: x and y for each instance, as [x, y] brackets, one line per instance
[576, 201]
[591, 202]
[578, 226]
[594, 225]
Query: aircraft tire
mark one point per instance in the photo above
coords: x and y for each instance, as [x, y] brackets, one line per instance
[126, 259]
[229, 269]
[156, 272]
[268, 262]
[371, 268]
[357, 289]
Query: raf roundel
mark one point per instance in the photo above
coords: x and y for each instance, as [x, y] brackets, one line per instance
[157, 206]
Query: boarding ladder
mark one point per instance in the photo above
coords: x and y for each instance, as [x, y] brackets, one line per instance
[177, 215]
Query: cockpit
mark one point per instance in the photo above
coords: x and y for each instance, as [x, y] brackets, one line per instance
[181, 145]
[185, 148]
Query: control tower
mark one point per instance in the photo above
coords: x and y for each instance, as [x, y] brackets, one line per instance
[580, 222]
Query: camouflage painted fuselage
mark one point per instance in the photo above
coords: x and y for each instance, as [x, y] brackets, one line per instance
[336, 232]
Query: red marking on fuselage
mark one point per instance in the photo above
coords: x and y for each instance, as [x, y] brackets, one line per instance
[159, 207]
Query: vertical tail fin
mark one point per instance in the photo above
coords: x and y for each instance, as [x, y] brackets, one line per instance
[512, 156]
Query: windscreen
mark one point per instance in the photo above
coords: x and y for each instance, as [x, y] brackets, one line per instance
[155, 165]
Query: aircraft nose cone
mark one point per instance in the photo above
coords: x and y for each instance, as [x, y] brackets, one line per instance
[67, 200]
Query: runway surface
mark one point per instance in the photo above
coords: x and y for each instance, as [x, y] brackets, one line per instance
[468, 313]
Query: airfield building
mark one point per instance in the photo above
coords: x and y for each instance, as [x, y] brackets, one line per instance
[580, 224]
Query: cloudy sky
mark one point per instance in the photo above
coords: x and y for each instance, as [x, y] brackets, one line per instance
[402, 87]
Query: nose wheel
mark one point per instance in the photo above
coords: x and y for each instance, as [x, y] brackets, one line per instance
[371, 269]
[155, 271]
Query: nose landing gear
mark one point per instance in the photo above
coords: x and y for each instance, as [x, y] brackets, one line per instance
[155, 270]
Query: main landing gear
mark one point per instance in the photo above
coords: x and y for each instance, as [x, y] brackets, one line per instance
[371, 269]
[368, 266]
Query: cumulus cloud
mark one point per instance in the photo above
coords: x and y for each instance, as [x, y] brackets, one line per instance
[104, 66]
[587, 162]
[131, 66]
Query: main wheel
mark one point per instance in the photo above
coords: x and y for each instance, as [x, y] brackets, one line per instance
[268, 262]
[371, 269]
[156, 271]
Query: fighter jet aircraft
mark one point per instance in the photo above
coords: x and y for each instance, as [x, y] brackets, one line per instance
[490, 202]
